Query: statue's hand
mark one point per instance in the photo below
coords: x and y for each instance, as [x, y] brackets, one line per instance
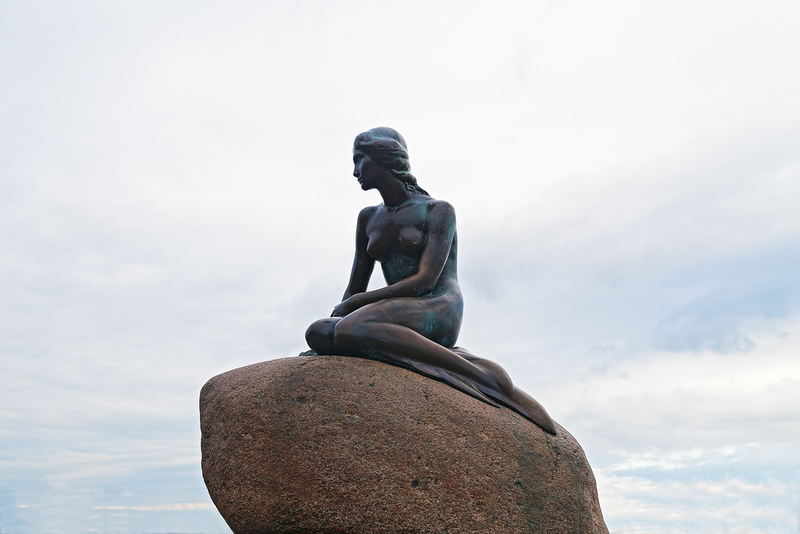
[349, 305]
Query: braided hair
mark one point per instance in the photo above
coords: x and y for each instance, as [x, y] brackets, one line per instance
[387, 148]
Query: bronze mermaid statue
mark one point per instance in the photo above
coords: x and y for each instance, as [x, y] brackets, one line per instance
[414, 321]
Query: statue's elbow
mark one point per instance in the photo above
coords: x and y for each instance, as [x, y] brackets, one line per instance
[425, 287]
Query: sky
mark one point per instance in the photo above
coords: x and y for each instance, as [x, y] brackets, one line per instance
[177, 200]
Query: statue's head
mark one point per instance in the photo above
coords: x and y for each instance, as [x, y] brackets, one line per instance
[387, 148]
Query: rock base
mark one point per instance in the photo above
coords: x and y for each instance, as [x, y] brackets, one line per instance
[329, 444]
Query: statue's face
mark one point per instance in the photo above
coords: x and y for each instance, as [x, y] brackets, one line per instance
[368, 173]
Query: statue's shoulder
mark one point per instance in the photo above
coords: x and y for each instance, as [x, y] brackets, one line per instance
[366, 214]
[440, 208]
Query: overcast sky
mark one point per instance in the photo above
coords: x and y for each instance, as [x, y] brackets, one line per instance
[177, 199]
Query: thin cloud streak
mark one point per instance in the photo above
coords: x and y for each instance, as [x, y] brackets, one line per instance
[159, 507]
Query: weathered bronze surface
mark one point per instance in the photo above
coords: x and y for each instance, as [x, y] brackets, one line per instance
[414, 321]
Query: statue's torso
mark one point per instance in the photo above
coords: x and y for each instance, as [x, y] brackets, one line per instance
[397, 239]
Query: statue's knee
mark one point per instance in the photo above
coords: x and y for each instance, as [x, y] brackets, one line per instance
[320, 334]
[312, 332]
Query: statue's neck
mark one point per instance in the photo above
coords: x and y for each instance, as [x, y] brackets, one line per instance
[394, 193]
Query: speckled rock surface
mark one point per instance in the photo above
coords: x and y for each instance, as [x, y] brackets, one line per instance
[328, 444]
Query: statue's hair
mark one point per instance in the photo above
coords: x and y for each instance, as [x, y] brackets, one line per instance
[388, 149]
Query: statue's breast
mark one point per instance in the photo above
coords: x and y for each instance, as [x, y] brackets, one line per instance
[378, 248]
[412, 241]
[386, 243]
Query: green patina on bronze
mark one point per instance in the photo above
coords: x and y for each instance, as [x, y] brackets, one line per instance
[414, 321]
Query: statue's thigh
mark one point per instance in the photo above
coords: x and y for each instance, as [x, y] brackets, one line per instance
[436, 318]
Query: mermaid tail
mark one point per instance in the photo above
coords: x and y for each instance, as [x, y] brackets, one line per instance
[512, 398]
[451, 379]
[454, 380]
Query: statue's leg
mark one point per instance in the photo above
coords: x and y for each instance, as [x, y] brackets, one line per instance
[319, 336]
[392, 330]
[514, 398]
[395, 342]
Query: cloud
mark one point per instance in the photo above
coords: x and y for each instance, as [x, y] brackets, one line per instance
[178, 200]
[668, 506]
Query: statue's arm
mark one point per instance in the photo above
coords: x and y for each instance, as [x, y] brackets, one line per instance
[441, 229]
[363, 264]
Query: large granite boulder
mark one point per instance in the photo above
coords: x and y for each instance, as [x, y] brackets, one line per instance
[328, 444]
